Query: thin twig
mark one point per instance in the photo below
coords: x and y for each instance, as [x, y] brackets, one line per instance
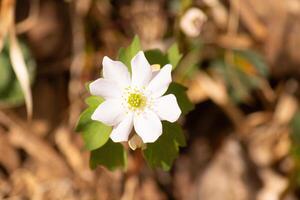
[77, 63]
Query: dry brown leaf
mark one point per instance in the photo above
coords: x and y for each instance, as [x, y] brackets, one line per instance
[214, 89]
[195, 93]
[72, 154]
[226, 177]
[274, 185]
[8, 155]
[130, 187]
[285, 109]
[241, 41]
[148, 190]
[30, 183]
[219, 12]
[268, 144]
[39, 150]
[256, 27]
[6, 19]
[258, 118]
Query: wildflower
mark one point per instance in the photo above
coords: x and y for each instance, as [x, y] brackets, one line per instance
[192, 21]
[136, 100]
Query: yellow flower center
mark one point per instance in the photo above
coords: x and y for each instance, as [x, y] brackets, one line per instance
[136, 101]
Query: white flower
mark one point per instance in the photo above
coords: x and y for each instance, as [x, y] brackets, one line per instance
[192, 21]
[134, 100]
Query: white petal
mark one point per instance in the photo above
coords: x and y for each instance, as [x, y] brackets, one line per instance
[121, 131]
[110, 112]
[117, 71]
[105, 88]
[154, 73]
[167, 108]
[141, 70]
[160, 83]
[148, 126]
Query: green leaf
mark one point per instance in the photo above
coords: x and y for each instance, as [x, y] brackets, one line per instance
[295, 147]
[190, 62]
[6, 72]
[180, 92]
[94, 101]
[155, 56]
[11, 93]
[164, 151]
[174, 55]
[87, 86]
[255, 59]
[126, 54]
[240, 77]
[94, 133]
[111, 155]
[85, 118]
[295, 125]
[185, 4]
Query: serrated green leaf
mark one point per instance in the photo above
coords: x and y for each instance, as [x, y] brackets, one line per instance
[94, 133]
[111, 155]
[174, 55]
[126, 54]
[180, 92]
[164, 151]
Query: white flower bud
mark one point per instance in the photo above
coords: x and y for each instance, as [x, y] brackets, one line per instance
[192, 21]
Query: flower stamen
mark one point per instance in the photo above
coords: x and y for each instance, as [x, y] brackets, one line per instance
[136, 100]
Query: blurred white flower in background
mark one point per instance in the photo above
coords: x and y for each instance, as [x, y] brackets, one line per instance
[134, 100]
[192, 21]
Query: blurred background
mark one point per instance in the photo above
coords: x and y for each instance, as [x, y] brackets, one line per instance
[240, 64]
